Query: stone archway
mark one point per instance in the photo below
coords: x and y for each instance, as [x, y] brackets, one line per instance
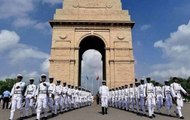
[106, 23]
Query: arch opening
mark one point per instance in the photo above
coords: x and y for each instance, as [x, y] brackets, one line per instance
[89, 47]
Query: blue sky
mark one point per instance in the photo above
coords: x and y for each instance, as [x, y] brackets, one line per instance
[161, 37]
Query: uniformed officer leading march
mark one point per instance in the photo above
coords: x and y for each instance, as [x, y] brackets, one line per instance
[104, 94]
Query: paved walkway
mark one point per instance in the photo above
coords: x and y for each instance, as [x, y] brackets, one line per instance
[93, 113]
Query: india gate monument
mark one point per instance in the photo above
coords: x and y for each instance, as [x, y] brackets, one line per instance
[92, 24]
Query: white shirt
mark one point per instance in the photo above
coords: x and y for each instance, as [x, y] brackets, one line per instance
[104, 91]
[42, 90]
[158, 91]
[17, 92]
[58, 90]
[176, 89]
[166, 89]
[30, 91]
[150, 90]
[51, 89]
[142, 90]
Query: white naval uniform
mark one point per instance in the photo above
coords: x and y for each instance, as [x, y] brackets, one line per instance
[112, 98]
[176, 89]
[126, 98]
[58, 92]
[76, 96]
[51, 93]
[123, 98]
[167, 95]
[159, 97]
[65, 97]
[131, 98]
[141, 96]
[17, 96]
[69, 98]
[150, 91]
[136, 92]
[41, 94]
[120, 98]
[116, 98]
[29, 98]
[104, 93]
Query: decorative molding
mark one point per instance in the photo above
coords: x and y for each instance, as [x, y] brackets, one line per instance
[120, 36]
[63, 37]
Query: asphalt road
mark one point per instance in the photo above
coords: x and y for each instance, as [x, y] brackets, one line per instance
[93, 113]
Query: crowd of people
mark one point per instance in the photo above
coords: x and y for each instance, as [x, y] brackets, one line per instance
[59, 98]
[47, 96]
[142, 96]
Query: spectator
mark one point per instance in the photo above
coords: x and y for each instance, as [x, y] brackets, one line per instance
[6, 95]
[0, 98]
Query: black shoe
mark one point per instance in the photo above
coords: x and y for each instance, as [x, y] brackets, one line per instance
[181, 117]
[45, 118]
[153, 115]
[102, 110]
[53, 115]
[150, 117]
[106, 110]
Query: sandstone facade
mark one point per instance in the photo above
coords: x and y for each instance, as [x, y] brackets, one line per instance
[103, 19]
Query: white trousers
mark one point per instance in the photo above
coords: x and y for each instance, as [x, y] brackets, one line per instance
[151, 105]
[104, 101]
[142, 104]
[16, 104]
[29, 104]
[57, 103]
[41, 104]
[179, 106]
[51, 104]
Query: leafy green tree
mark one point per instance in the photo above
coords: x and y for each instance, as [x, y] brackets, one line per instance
[6, 84]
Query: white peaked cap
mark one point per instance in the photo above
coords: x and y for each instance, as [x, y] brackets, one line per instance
[19, 75]
[31, 79]
[43, 75]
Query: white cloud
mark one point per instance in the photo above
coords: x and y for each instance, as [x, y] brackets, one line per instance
[145, 27]
[8, 39]
[27, 59]
[15, 8]
[24, 52]
[176, 50]
[45, 66]
[23, 22]
[19, 11]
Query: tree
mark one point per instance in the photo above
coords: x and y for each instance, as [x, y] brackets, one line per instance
[6, 84]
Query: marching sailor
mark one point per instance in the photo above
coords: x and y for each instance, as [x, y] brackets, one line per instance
[58, 92]
[17, 97]
[30, 97]
[167, 96]
[41, 95]
[126, 97]
[104, 93]
[176, 92]
[159, 97]
[51, 95]
[64, 96]
[150, 95]
[142, 96]
[131, 97]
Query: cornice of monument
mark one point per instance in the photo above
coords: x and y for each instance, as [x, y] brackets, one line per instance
[91, 22]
